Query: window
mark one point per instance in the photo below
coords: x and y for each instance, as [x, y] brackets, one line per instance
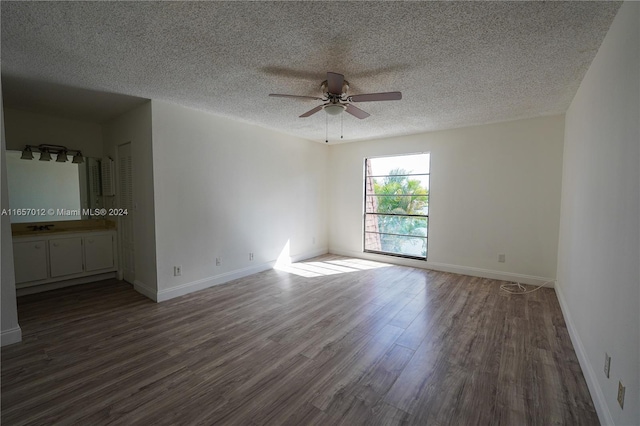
[396, 214]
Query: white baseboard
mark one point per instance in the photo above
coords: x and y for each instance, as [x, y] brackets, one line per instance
[11, 336]
[142, 288]
[309, 255]
[39, 288]
[492, 274]
[604, 415]
[201, 284]
[445, 267]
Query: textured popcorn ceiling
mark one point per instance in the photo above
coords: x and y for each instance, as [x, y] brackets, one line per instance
[456, 63]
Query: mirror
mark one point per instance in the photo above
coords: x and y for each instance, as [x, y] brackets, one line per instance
[51, 191]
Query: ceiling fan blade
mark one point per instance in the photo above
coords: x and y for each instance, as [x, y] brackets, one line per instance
[334, 83]
[370, 97]
[311, 112]
[275, 95]
[357, 112]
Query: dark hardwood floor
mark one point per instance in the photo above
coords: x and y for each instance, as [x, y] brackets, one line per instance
[331, 341]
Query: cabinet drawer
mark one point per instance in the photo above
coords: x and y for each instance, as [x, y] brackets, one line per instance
[98, 252]
[65, 255]
[30, 261]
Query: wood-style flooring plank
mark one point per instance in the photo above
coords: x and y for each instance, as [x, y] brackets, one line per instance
[329, 341]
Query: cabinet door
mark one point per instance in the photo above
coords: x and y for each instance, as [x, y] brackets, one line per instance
[30, 261]
[98, 252]
[65, 255]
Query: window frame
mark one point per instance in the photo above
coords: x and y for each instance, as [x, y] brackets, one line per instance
[365, 213]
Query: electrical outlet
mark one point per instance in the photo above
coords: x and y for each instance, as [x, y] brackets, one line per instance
[621, 395]
[501, 257]
[218, 261]
[313, 240]
[177, 271]
[607, 364]
[250, 256]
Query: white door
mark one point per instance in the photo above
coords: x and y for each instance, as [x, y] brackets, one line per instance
[125, 201]
[65, 255]
[98, 252]
[30, 261]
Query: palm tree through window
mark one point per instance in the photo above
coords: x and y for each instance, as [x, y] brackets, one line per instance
[396, 214]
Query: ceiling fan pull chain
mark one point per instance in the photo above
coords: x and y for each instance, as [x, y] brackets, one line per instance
[341, 125]
[326, 132]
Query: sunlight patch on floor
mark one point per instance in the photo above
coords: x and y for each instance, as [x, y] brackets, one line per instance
[312, 269]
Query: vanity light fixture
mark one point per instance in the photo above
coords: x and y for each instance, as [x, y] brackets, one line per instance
[46, 150]
[45, 155]
[78, 159]
[27, 154]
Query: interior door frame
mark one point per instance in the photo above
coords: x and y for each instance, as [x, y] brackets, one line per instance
[130, 213]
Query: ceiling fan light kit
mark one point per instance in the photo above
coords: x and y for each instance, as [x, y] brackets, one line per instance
[334, 109]
[336, 100]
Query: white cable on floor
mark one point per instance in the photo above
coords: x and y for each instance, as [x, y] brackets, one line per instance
[521, 289]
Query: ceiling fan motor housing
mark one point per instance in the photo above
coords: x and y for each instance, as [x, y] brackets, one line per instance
[325, 89]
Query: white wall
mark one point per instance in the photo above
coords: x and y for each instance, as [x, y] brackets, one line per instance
[599, 245]
[224, 189]
[27, 128]
[9, 329]
[135, 127]
[493, 189]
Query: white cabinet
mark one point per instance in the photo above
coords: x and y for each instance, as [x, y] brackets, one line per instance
[30, 261]
[50, 258]
[65, 255]
[98, 252]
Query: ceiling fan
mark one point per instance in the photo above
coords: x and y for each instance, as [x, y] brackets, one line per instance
[336, 100]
